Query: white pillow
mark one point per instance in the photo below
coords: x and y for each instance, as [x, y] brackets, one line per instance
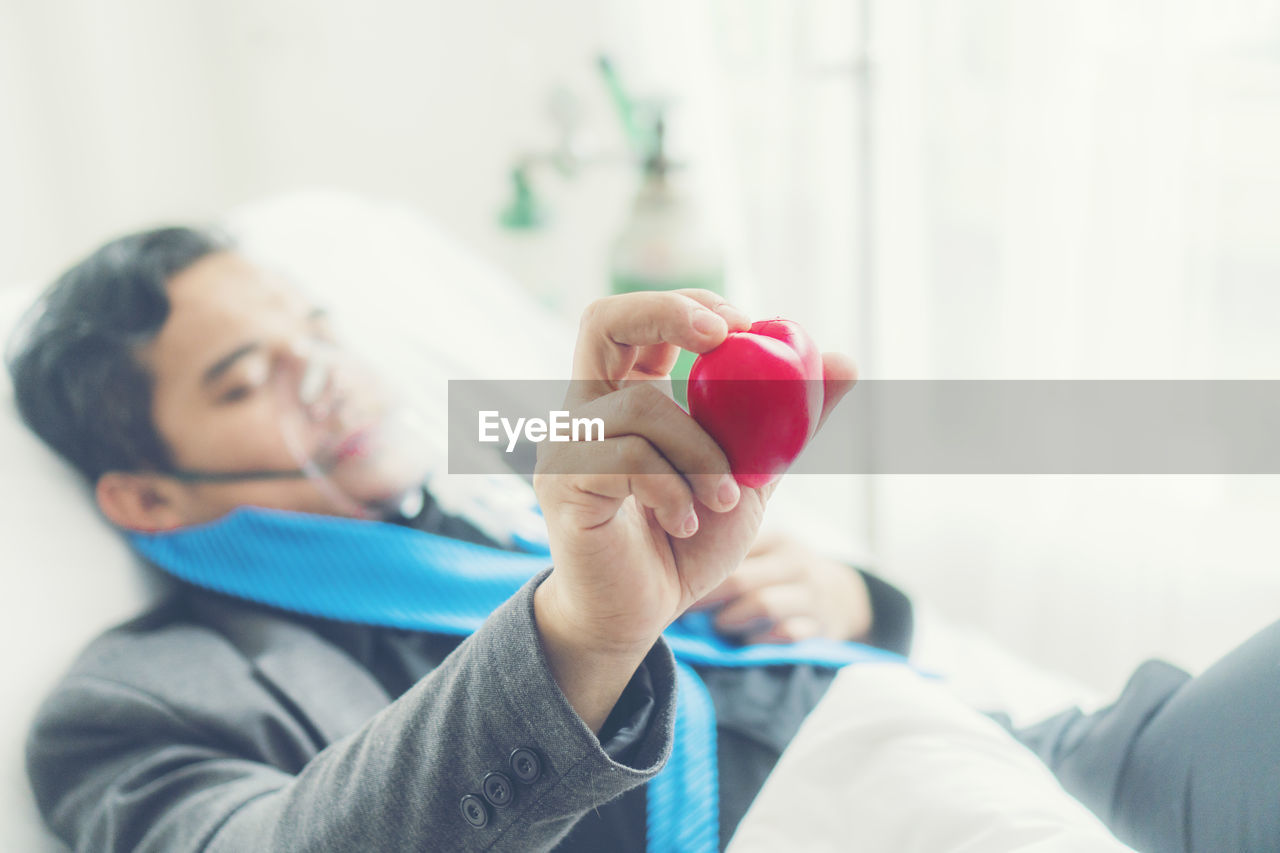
[69, 576]
[398, 281]
[890, 760]
[414, 295]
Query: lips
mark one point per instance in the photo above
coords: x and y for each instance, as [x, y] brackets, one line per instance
[346, 443]
[357, 423]
[355, 445]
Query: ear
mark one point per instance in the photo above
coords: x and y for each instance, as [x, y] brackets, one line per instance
[146, 503]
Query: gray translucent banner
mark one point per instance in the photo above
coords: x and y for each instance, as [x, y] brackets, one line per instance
[1223, 427]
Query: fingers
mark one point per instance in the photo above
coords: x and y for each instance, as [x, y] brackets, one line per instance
[641, 331]
[652, 449]
[839, 375]
[657, 361]
[759, 610]
[755, 573]
[616, 469]
[646, 412]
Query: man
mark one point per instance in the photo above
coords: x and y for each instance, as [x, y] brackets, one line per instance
[182, 381]
[214, 723]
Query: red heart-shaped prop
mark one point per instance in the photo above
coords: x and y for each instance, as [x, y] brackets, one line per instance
[759, 395]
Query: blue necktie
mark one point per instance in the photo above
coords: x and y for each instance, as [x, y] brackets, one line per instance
[383, 574]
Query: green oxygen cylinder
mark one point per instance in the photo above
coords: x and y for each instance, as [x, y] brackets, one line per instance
[666, 244]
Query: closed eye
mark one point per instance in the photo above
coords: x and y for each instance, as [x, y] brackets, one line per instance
[240, 392]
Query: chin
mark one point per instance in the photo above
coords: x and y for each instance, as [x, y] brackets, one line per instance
[379, 463]
[379, 482]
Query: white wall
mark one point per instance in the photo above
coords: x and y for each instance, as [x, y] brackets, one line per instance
[1060, 189]
[142, 110]
[1083, 190]
[138, 111]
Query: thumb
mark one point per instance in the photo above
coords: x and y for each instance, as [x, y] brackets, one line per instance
[839, 375]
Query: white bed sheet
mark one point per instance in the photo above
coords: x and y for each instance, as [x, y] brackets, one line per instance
[893, 761]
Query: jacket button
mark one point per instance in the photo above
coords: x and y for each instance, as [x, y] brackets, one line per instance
[526, 764]
[497, 789]
[474, 811]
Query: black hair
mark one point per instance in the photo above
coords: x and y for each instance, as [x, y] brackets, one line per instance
[77, 379]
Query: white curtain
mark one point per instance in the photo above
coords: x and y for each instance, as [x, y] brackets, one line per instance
[1081, 190]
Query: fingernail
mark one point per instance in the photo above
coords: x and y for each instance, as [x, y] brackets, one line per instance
[691, 523]
[708, 322]
[733, 316]
[728, 491]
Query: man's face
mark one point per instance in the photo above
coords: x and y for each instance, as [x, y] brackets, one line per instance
[248, 378]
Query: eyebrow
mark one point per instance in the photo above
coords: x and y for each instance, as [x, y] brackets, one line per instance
[222, 365]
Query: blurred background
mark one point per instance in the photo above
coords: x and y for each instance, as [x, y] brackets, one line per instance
[941, 188]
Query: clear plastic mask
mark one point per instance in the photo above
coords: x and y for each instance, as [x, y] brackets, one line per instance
[362, 444]
[342, 427]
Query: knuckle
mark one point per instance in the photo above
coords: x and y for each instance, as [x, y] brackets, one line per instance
[639, 402]
[666, 487]
[650, 398]
[549, 488]
[702, 295]
[754, 603]
[632, 453]
[679, 491]
[576, 512]
[591, 314]
[550, 459]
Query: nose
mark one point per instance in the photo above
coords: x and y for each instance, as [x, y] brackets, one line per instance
[310, 378]
[314, 381]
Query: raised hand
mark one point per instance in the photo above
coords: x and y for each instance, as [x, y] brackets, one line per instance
[648, 521]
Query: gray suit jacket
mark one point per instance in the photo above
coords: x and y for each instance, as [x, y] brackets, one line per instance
[249, 733]
[191, 723]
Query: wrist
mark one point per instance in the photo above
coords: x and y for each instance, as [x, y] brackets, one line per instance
[591, 670]
[616, 634]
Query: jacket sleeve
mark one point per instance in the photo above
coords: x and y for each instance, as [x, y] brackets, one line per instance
[892, 616]
[117, 765]
[1179, 763]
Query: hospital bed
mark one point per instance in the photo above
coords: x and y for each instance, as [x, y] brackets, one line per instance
[69, 576]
